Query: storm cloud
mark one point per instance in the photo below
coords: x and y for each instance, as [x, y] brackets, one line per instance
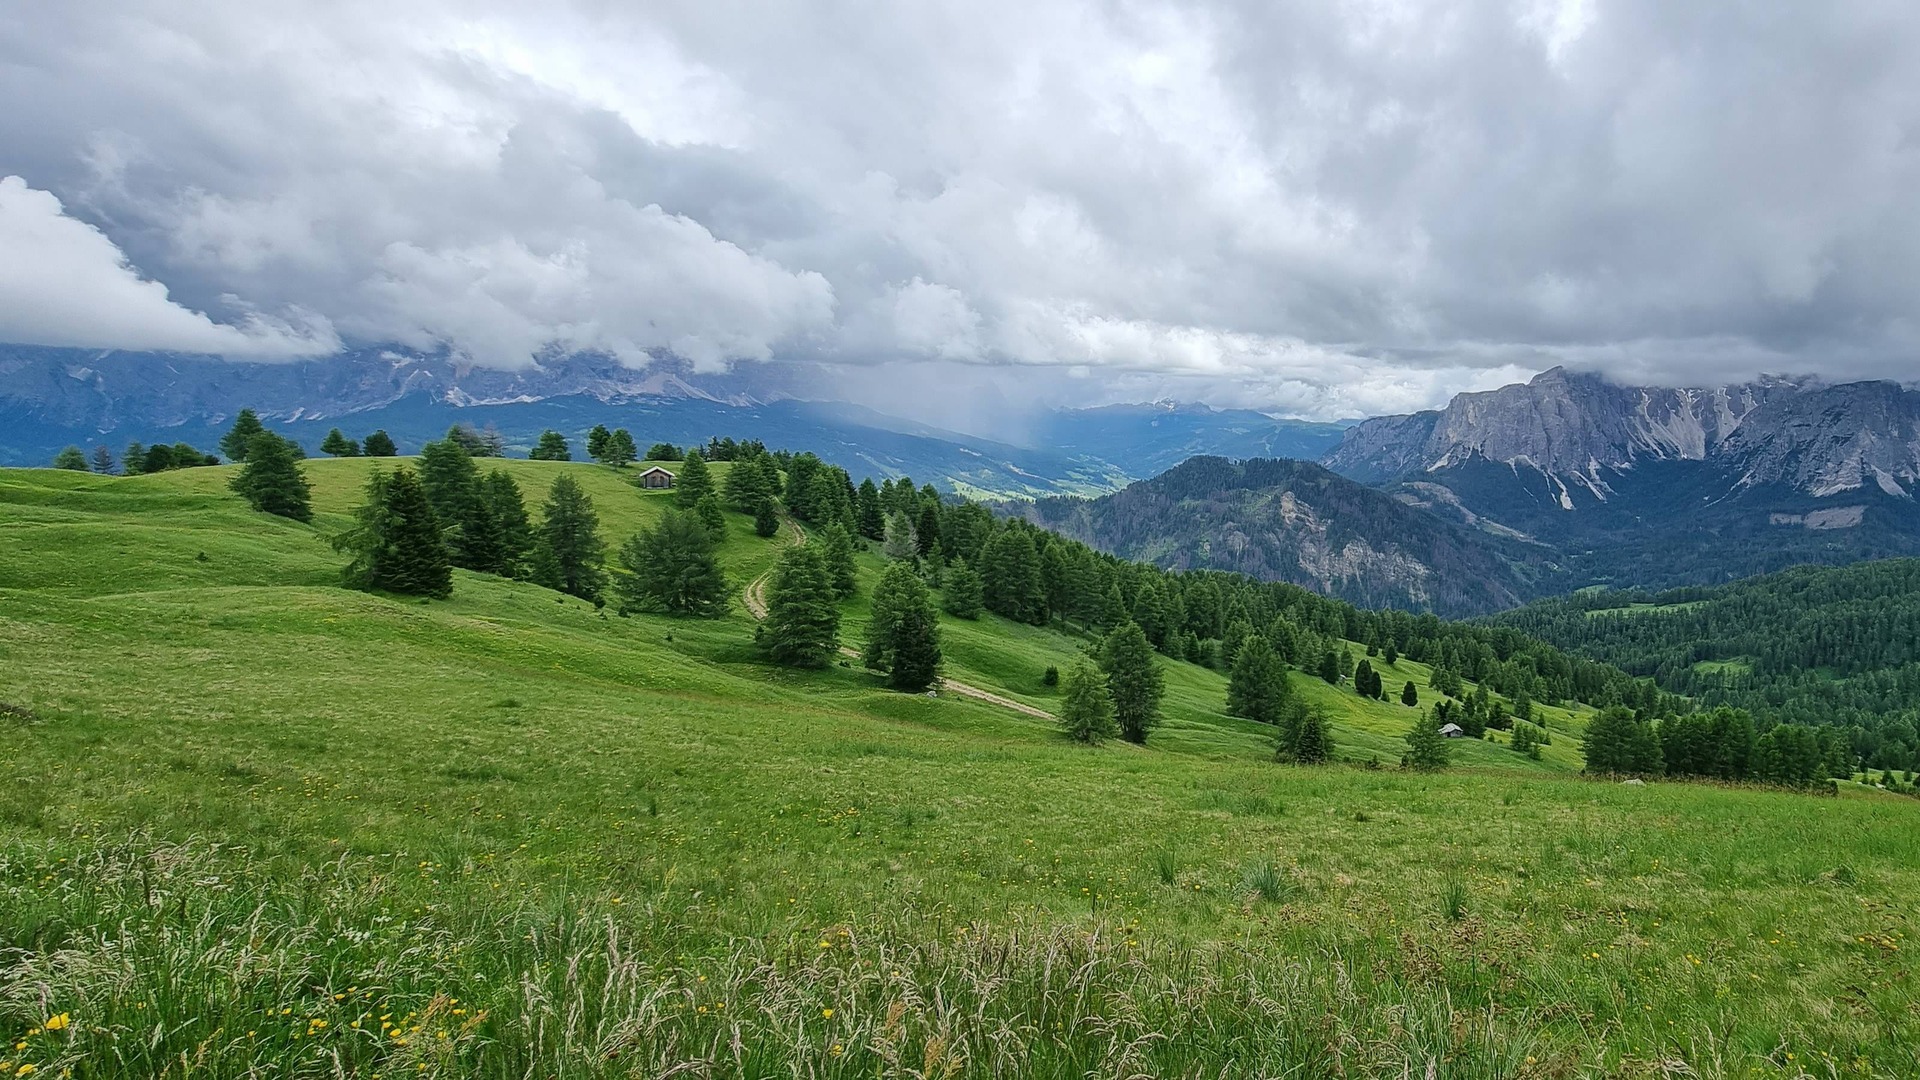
[1323, 209]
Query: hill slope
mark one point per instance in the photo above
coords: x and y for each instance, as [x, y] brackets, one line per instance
[271, 826]
[1813, 645]
[1294, 521]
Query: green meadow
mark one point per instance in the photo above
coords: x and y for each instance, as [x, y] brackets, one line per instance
[253, 824]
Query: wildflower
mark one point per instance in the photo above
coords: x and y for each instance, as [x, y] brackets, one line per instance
[827, 1013]
[58, 1023]
[25, 1068]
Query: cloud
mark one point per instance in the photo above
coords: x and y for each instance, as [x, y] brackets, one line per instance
[1328, 209]
[63, 282]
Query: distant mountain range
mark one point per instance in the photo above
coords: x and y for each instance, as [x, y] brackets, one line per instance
[1294, 521]
[1657, 487]
[50, 398]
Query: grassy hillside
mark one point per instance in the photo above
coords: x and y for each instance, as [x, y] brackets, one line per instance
[255, 823]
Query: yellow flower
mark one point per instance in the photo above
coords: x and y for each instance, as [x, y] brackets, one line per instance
[25, 1069]
[828, 1013]
[58, 1022]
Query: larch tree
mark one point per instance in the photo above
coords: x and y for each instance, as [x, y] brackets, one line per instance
[379, 444]
[1427, 749]
[671, 567]
[239, 437]
[102, 459]
[569, 552]
[72, 458]
[1257, 687]
[509, 513]
[1134, 679]
[903, 634]
[836, 547]
[802, 627]
[395, 542]
[695, 481]
[960, 591]
[552, 446]
[1086, 705]
[271, 480]
[336, 444]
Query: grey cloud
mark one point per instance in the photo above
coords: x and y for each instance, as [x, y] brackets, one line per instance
[1321, 209]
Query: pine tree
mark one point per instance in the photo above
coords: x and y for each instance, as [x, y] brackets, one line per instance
[621, 451]
[1135, 680]
[711, 516]
[337, 444]
[102, 459]
[1365, 682]
[1150, 613]
[899, 543]
[1618, 743]
[870, 519]
[1086, 705]
[926, 531]
[671, 568]
[239, 438]
[379, 444]
[570, 553]
[666, 451]
[1257, 687]
[903, 635]
[452, 483]
[134, 461]
[597, 442]
[694, 482]
[395, 542]
[72, 458]
[745, 487]
[1010, 576]
[836, 546]
[1409, 696]
[960, 592]
[1303, 737]
[1390, 654]
[270, 480]
[1330, 667]
[766, 520]
[1427, 749]
[468, 439]
[551, 447]
[509, 513]
[1526, 740]
[802, 627]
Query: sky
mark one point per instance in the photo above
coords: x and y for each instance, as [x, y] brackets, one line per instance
[1324, 210]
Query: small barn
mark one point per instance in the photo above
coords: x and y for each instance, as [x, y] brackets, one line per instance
[1453, 731]
[656, 477]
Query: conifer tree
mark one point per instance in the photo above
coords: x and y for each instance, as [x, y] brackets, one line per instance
[271, 481]
[597, 442]
[899, 543]
[1134, 679]
[1427, 749]
[509, 518]
[395, 542]
[770, 478]
[1010, 577]
[1390, 654]
[766, 520]
[711, 516]
[1257, 687]
[379, 444]
[836, 547]
[1618, 743]
[960, 591]
[671, 568]
[694, 482]
[1086, 705]
[239, 438]
[102, 459]
[1330, 667]
[1150, 613]
[903, 636]
[745, 487]
[551, 447]
[621, 451]
[1365, 682]
[337, 444]
[1409, 695]
[1303, 738]
[569, 553]
[72, 458]
[871, 520]
[452, 483]
[134, 461]
[926, 531]
[1526, 740]
[802, 627]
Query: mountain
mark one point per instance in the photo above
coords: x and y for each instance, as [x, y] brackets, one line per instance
[1656, 486]
[1294, 521]
[50, 398]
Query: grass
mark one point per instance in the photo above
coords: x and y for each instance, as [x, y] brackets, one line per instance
[254, 824]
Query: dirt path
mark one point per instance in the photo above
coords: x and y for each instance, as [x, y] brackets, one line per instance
[754, 596]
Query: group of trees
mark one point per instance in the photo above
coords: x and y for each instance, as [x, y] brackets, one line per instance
[615, 448]
[1723, 743]
[1817, 646]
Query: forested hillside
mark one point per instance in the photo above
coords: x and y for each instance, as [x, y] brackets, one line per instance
[1293, 521]
[1813, 645]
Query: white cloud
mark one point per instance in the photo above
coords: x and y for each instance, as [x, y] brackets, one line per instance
[62, 282]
